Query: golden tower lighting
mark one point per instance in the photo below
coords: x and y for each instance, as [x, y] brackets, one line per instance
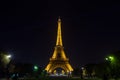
[59, 59]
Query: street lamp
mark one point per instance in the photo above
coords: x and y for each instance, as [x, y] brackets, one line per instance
[110, 58]
[8, 56]
[35, 68]
[5, 59]
[106, 59]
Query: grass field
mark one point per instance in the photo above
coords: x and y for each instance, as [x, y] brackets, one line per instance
[59, 78]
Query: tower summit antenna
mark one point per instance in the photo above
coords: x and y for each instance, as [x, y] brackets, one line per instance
[59, 19]
[59, 35]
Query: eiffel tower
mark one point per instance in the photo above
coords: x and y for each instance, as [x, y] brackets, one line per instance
[59, 62]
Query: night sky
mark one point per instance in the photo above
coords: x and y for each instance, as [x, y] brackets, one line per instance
[90, 29]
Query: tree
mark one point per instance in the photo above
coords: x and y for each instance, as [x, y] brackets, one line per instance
[5, 59]
[90, 68]
[76, 71]
[113, 61]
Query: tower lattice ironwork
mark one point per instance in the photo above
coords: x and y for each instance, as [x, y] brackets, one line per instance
[59, 59]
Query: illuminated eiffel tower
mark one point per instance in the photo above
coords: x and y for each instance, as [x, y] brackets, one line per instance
[59, 62]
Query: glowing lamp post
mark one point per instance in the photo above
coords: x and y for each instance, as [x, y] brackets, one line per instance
[112, 64]
[111, 59]
[5, 59]
[106, 59]
[35, 68]
[8, 56]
